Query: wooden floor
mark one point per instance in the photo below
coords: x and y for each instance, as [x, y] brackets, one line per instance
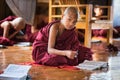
[20, 55]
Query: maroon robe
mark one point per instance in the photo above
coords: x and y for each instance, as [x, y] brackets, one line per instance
[31, 36]
[67, 41]
[103, 32]
[99, 33]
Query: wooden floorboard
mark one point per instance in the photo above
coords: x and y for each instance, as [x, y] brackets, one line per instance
[20, 55]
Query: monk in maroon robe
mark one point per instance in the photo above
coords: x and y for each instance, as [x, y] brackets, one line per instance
[103, 32]
[10, 27]
[57, 43]
[32, 31]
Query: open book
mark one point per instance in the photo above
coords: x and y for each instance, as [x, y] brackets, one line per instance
[15, 72]
[92, 65]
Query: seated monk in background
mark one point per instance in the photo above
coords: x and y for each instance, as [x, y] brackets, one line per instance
[98, 33]
[102, 33]
[13, 29]
[57, 43]
[10, 30]
[39, 22]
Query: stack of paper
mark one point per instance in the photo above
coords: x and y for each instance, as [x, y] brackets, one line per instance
[15, 72]
[91, 65]
[100, 76]
[114, 67]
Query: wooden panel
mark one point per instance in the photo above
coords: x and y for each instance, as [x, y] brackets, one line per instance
[22, 55]
[105, 24]
[80, 25]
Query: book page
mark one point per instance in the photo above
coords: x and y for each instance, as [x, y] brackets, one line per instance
[15, 72]
[92, 65]
[12, 75]
[100, 76]
[13, 68]
[114, 67]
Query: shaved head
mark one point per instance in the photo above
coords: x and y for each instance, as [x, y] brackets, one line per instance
[72, 10]
[18, 22]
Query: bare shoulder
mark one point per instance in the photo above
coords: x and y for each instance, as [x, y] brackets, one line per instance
[5, 23]
[55, 26]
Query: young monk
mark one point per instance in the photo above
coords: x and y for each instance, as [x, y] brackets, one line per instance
[98, 32]
[40, 20]
[9, 29]
[102, 33]
[32, 31]
[98, 12]
[17, 24]
[57, 43]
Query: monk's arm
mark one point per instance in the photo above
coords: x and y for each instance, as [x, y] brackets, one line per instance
[6, 26]
[13, 34]
[51, 43]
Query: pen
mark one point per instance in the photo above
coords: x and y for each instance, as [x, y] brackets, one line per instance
[76, 54]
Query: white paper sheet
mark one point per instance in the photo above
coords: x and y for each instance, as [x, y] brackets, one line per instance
[91, 65]
[15, 72]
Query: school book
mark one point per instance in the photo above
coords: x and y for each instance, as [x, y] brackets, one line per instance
[15, 72]
[92, 65]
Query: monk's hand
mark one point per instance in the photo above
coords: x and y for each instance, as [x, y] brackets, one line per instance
[71, 54]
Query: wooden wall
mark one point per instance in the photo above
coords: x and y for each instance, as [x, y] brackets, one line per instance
[100, 2]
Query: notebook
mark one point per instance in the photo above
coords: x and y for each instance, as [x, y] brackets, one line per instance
[15, 72]
[92, 65]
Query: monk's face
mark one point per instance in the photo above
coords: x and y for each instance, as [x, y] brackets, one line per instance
[69, 20]
[98, 11]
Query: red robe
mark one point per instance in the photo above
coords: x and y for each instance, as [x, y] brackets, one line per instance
[31, 36]
[103, 32]
[67, 41]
